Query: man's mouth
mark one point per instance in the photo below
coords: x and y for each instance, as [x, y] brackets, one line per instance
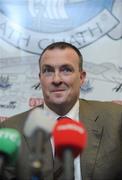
[58, 90]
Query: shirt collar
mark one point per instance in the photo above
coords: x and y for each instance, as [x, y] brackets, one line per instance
[73, 113]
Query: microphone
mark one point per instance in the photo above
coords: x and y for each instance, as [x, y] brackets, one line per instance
[37, 129]
[70, 139]
[38, 119]
[10, 140]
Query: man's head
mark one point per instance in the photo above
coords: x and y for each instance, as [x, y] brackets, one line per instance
[61, 75]
[63, 45]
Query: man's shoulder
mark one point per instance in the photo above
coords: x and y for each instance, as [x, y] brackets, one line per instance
[106, 113]
[17, 121]
[102, 105]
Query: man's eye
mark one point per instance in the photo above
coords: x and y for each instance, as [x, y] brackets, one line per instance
[47, 71]
[66, 70]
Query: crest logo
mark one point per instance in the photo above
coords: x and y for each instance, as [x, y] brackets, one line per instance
[33, 24]
[4, 82]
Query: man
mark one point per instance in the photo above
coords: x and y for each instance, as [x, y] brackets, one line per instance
[61, 75]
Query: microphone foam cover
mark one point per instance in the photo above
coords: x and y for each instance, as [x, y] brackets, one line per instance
[68, 133]
[38, 119]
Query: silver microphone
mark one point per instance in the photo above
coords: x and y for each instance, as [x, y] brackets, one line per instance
[37, 129]
[38, 119]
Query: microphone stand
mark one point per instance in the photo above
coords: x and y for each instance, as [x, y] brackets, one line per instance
[2, 163]
[68, 161]
[40, 137]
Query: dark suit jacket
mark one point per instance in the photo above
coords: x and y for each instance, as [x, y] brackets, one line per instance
[102, 158]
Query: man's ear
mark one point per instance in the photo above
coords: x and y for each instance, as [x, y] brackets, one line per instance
[39, 74]
[82, 76]
[40, 78]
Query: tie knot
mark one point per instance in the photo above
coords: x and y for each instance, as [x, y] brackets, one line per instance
[62, 117]
[59, 118]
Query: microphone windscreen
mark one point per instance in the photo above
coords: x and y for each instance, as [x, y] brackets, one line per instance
[10, 141]
[38, 119]
[68, 133]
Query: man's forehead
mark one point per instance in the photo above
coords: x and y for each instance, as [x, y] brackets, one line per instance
[58, 59]
[59, 52]
[56, 65]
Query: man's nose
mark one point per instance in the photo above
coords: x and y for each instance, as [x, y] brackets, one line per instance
[57, 77]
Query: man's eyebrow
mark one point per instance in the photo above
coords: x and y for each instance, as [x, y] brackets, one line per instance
[46, 65]
[59, 66]
[67, 65]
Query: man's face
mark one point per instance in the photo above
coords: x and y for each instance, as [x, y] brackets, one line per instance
[60, 77]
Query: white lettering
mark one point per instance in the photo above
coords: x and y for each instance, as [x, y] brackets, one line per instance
[8, 135]
[73, 127]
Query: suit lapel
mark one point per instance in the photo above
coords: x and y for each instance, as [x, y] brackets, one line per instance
[93, 125]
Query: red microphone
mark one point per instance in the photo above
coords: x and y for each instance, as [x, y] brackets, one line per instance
[71, 134]
[70, 139]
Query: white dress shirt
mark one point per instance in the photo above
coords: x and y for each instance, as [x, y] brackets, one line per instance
[73, 114]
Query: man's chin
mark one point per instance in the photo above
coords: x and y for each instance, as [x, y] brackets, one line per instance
[58, 101]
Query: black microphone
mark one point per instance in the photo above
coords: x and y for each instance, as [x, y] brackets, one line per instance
[69, 140]
[37, 129]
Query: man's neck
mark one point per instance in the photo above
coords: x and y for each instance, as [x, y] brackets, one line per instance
[61, 109]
